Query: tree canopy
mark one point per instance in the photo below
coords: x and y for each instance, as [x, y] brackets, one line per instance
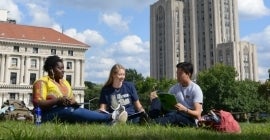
[222, 91]
[217, 84]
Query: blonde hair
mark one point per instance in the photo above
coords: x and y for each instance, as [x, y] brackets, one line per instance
[114, 70]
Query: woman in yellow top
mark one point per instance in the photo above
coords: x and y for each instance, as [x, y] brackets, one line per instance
[54, 96]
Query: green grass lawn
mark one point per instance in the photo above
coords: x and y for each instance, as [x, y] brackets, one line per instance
[25, 130]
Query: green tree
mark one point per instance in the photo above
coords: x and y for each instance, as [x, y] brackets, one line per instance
[144, 87]
[165, 84]
[147, 85]
[264, 93]
[245, 97]
[92, 92]
[217, 84]
[133, 76]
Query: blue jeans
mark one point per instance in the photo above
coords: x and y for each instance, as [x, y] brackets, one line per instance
[72, 115]
[175, 118]
[171, 117]
[134, 120]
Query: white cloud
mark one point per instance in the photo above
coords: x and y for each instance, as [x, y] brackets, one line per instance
[115, 21]
[59, 13]
[40, 15]
[262, 41]
[250, 9]
[98, 68]
[90, 37]
[39, 12]
[131, 52]
[263, 73]
[130, 45]
[57, 27]
[12, 8]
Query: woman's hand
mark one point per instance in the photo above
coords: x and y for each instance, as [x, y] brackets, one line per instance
[72, 101]
[65, 101]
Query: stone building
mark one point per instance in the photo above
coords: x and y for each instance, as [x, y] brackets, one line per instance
[194, 31]
[23, 52]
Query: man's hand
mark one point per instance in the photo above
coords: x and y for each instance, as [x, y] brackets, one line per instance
[153, 95]
[180, 107]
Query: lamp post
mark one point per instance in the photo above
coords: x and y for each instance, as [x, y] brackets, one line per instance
[268, 74]
[89, 105]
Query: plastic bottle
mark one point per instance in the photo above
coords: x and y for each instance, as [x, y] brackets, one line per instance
[37, 115]
[215, 117]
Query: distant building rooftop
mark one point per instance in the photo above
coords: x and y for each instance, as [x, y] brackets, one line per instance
[18, 32]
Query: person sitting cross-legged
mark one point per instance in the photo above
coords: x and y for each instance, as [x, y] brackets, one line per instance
[189, 99]
[118, 91]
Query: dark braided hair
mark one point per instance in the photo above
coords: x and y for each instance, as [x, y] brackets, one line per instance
[51, 62]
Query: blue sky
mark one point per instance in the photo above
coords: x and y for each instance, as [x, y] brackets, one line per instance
[118, 30]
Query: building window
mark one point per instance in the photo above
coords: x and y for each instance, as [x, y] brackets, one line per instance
[68, 78]
[16, 48]
[69, 65]
[32, 78]
[12, 96]
[246, 58]
[33, 63]
[35, 50]
[14, 62]
[70, 53]
[13, 77]
[30, 99]
[53, 51]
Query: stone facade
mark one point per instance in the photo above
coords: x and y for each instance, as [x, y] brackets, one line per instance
[21, 63]
[166, 39]
[241, 55]
[191, 30]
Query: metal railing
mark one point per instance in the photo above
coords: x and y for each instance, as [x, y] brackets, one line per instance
[89, 102]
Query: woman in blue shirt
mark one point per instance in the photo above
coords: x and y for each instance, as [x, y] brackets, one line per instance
[117, 92]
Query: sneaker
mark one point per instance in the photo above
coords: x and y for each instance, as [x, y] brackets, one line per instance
[214, 116]
[119, 115]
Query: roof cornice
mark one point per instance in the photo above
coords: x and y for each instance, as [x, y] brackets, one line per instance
[42, 43]
[11, 86]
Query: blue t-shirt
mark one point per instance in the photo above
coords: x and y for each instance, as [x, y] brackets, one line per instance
[126, 96]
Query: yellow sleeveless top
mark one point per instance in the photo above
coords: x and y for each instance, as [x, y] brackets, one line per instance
[46, 87]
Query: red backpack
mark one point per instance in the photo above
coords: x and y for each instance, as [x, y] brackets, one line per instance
[223, 123]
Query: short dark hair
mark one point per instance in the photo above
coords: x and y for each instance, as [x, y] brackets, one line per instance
[186, 67]
[51, 62]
